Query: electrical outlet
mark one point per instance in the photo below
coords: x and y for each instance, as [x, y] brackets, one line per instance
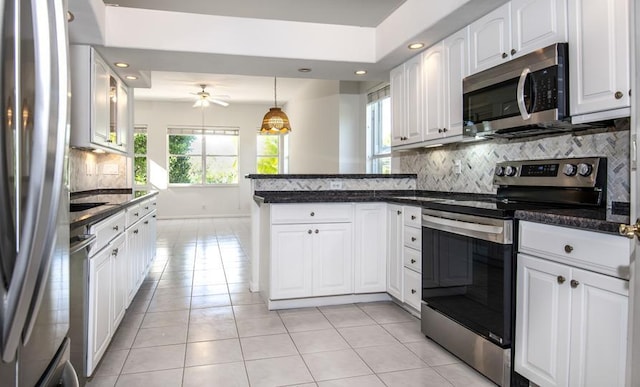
[457, 167]
[335, 185]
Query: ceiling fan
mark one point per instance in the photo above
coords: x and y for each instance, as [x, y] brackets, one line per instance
[205, 98]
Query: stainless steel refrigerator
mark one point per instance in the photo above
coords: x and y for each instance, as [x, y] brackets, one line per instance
[34, 230]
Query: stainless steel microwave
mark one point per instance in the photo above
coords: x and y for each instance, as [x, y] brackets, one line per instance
[528, 95]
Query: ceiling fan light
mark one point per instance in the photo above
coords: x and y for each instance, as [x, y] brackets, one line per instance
[202, 102]
[275, 122]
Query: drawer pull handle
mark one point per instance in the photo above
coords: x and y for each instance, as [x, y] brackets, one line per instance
[153, 216]
[513, 51]
[413, 260]
[147, 222]
[413, 291]
[413, 239]
[561, 279]
[155, 204]
[574, 284]
[399, 212]
[115, 228]
[312, 213]
[135, 231]
[568, 249]
[136, 214]
[146, 208]
[309, 231]
[413, 217]
[115, 252]
[504, 55]
[317, 231]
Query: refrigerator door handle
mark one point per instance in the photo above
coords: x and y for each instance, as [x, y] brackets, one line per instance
[46, 173]
[69, 376]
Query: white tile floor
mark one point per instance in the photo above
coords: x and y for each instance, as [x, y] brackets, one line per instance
[195, 323]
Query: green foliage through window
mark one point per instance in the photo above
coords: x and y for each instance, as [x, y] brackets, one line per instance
[268, 151]
[140, 169]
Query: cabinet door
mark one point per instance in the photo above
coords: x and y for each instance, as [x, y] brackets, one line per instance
[122, 131]
[119, 267]
[536, 24]
[414, 99]
[291, 261]
[599, 52]
[432, 66]
[133, 252]
[332, 259]
[456, 50]
[412, 288]
[542, 321]
[398, 105]
[101, 102]
[490, 39]
[100, 307]
[370, 248]
[599, 306]
[395, 246]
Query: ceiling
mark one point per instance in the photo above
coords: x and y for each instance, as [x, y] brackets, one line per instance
[172, 72]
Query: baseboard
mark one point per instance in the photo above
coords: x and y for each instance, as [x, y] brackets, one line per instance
[326, 301]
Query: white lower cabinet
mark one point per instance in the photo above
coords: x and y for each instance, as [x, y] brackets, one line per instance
[412, 288]
[370, 261]
[100, 327]
[119, 267]
[332, 259]
[571, 323]
[291, 261]
[395, 226]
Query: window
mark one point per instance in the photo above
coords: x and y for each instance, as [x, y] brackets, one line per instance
[203, 156]
[272, 154]
[379, 131]
[140, 160]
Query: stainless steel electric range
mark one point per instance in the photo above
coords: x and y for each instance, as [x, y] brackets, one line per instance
[468, 261]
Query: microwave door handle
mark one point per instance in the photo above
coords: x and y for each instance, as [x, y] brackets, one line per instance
[520, 94]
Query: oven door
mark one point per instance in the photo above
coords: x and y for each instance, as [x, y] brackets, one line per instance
[467, 271]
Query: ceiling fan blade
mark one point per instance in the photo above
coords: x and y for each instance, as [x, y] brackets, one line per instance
[219, 102]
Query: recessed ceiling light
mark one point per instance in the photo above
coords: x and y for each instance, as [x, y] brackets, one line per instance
[361, 72]
[304, 70]
[131, 77]
[416, 46]
[122, 65]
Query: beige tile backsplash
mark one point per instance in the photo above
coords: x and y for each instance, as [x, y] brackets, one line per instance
[90, 170]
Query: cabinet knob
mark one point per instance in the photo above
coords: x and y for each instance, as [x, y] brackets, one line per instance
[309, 231]
[413, 217]
[561, 279]
[444, 130]
[115, 251]
[312, 213]
[317, 231]
[568, 249]
[504, 55]
[115, 228]
[413, 239]
[136, 214]
[574, 283]
[399, 212]
[413, 291]
[147, 222]
[513, 51]
[135, 231]
[413, 260]
[153, 216]
[439, 130]
[146, 208]
[618, 94]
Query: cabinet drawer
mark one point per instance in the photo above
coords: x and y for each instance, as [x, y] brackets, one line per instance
[311, 213]
[602, 253]
[134, 214]
[413, 259]
[107, 230]
[412, 216]
[145, 208]
[413, 238]
[412, 288]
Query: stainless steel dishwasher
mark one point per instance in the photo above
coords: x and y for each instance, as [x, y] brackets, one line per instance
[79, 247]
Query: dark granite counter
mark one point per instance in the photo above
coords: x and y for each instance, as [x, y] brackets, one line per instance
[332, 176]
[113, 201]
[600, 220]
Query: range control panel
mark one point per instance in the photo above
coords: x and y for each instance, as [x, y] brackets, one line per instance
[574, 172]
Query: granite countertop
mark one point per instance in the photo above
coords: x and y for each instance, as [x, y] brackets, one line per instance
[332, 176]
[598, 219]
[115, 200]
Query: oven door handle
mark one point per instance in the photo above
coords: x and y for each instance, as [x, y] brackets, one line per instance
[520, 94]
[475, 230]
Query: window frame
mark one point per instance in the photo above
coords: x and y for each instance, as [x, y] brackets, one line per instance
[376, 151]
[141, 128]
[203, 132]
[283, 152]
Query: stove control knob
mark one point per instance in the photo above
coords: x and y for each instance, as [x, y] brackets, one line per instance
[569, 169]
[584, 169]
[499, 170]
[510, 171]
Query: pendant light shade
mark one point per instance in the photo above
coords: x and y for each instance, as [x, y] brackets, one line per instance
[275, 121]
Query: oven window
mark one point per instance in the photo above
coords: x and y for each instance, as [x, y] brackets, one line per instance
[469, 281]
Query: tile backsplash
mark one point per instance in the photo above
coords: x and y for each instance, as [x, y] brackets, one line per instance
[435, 166]
[331, 183]
[90, 170]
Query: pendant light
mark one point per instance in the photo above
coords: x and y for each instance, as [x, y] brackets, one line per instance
[275, 121]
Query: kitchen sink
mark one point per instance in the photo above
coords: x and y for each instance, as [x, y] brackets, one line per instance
[76, 207]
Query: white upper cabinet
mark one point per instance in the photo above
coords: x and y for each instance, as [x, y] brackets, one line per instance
[406, 102]
[490, 39]
[433, 71]
[456, 50]
[536, 24]
[600, 62]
